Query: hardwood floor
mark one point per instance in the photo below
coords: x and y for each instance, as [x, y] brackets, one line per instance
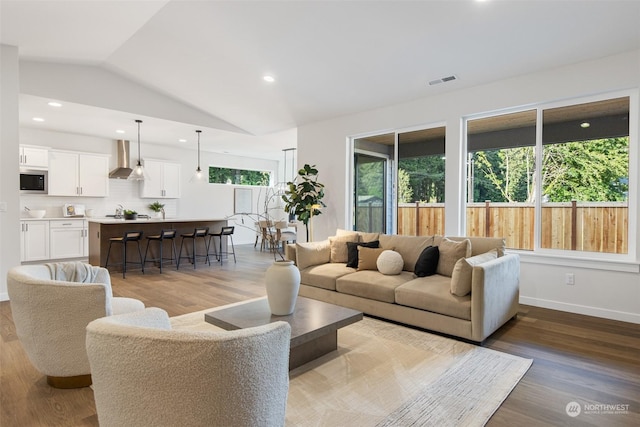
[576, 358]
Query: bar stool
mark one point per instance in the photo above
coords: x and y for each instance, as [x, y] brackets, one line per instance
[201, 232]
[129, 236]
[168, 234]
[224, 231]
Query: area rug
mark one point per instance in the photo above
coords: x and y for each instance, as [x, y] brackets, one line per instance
[384, 374]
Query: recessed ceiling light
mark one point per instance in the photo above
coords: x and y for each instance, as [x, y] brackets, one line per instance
[54, 104]
[38, 119]
[269, 79]
[119, 131]
[182, 140]
[585, 125]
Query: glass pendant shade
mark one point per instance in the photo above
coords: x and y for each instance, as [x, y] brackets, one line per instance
[199, 176]
[139, 173]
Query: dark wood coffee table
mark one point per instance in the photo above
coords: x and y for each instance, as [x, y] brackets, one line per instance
[314, 324]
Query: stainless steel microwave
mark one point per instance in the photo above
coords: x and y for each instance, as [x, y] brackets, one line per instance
[35, 182]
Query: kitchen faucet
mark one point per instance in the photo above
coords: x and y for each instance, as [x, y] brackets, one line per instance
[119, 211]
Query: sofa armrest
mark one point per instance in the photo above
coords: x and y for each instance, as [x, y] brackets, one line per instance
[495, 293]
[290, 252]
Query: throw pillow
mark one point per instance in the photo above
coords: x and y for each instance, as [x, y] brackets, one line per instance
[312, 253]
[368, 237]
[450, 252]
[390, 263]
[339, 246]
[463, 270]
[367, 258]
[427, 263]
[352, 251]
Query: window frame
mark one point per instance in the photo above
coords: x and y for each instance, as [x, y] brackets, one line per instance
[622, 260]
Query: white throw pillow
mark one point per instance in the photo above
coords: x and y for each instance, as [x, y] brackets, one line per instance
[390, 263]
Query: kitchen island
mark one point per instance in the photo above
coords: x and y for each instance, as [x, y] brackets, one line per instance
[103, 229]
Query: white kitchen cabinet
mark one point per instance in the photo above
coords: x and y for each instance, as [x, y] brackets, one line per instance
[34, 240]
[33, 157]
[78, 174]
[163, 180]
[68, 238]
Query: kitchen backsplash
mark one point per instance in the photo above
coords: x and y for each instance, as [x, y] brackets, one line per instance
[121, 192]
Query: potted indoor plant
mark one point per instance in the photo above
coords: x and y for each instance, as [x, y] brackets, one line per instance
[303, 197]
[130, 214]
[157, 207]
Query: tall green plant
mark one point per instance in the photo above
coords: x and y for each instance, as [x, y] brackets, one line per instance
[303, 198]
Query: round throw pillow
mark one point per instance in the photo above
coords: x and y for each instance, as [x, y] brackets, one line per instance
[390, 263]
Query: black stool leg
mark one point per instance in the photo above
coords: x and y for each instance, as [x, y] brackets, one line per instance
[146, 251]
[160, 254]
[140, 255]
[180, 256]
[233, 248]
[106, 263]
[124, 259]
[194, 252]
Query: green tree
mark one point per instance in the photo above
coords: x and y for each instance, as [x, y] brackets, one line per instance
[405, 192]
[595, 170]
[426, 177]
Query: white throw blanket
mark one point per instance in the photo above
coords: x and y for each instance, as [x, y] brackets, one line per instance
[79, 272]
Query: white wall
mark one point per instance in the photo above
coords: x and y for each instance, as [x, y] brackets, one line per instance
[602, 292]
[9, 184]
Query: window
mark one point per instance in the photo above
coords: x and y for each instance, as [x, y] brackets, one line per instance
[399, 182]
[585, 177]
[421, 168]
[238, 176]
[500, 178]
[576, 177]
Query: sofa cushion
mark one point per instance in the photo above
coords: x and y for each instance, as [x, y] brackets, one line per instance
[352, 251]
[427, 262]
[372, 284]
[339, 246]
[480, 245]
[389, 262]
[363, 237]
[324, 275]
[410, 247]
[462, 272]
[312, 253]
[367, 258]
[450, 252]
[433, 294]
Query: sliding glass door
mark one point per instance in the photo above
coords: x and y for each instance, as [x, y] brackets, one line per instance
[370, 193]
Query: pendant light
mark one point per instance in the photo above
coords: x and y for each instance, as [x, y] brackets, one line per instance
[198, 176]
[138, 173]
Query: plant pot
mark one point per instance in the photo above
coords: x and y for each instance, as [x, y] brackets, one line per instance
[282, 282]
[157, 214]
[131, 216]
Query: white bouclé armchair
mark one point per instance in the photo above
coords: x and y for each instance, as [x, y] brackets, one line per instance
[51, 305]
[145, 373]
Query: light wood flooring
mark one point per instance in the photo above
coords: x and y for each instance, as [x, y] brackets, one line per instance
[576, 358]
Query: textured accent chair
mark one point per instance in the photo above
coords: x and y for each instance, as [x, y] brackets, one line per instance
[51, 305]
[145, 373]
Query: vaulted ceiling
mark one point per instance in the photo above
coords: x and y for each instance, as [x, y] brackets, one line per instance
[328, 58]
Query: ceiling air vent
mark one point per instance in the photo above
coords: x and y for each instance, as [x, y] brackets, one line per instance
[443, 80]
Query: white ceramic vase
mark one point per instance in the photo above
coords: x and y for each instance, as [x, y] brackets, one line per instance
[283, 282]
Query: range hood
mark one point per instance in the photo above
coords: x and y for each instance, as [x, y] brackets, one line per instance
[123, 170]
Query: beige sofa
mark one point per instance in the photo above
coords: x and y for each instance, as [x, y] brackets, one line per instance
[426, 302]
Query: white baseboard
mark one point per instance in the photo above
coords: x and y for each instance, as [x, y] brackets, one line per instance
[582, 309]
[4, 296]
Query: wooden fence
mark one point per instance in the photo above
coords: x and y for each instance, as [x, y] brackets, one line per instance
[592, 227]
